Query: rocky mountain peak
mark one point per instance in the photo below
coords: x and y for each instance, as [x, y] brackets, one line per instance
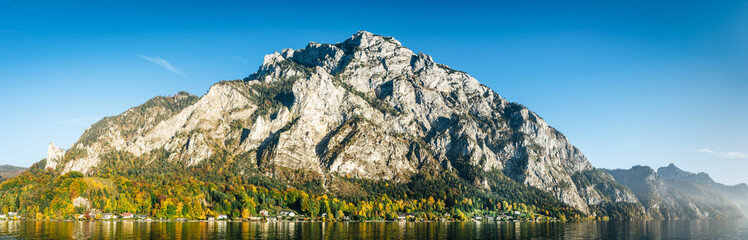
[673, 172]
[359, 51]
[366, 107]
[635, 173]
[364, 39]
[182, 95]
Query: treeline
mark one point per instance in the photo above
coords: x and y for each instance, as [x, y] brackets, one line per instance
[233, 185]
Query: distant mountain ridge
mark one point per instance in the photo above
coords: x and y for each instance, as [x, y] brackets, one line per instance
[702, 184]
[8, 171]
[672, 172]
[671, 193]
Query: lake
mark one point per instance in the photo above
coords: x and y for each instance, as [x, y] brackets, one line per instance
[695, 229]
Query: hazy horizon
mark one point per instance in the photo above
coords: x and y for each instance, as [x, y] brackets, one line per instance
[628, 83]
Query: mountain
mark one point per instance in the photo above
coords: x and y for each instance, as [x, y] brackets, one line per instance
[8, 171]
[364, 128]
[367, 108]
[702, 186]
[664, 196]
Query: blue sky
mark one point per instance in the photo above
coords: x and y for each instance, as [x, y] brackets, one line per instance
[628, 82]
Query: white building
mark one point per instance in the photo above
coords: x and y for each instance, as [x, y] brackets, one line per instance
[287, 213]
[264, 213]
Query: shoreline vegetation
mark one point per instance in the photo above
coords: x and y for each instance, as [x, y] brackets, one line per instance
[227, 188]
[279, 221]
[212, 190]
[289, 221]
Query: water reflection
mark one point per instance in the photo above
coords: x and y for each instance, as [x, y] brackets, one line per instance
[727, 229]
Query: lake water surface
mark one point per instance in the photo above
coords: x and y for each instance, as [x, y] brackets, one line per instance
[697, 229]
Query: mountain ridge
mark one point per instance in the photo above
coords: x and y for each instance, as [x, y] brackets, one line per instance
[670, 193]
[9, 171]
[702, 184]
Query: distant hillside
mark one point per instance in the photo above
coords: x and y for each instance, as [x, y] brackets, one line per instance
[701, 185]
[671, 193]
[8, 171]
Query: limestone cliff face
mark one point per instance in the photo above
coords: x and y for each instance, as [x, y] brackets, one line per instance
[366, 107]
[54, 155]
[598, 187]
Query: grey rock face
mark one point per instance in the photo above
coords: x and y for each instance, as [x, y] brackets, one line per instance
[81, 202]
[366, 107]
[54, 155]
[598, 187]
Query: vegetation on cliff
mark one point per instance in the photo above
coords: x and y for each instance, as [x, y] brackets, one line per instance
[152, 186]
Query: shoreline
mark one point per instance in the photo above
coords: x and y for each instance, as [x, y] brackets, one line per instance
[380, 221]
[281, 221]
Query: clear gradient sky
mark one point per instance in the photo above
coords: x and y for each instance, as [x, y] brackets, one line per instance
[628, 82]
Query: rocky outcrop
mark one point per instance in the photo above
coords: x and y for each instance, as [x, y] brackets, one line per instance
[598, 187]
[366, 107]
[54, 156]
[81, 202]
